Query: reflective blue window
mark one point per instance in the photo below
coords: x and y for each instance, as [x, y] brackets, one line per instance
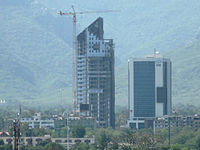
[144, 89]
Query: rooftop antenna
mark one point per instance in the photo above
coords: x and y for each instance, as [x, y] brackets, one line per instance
[20, 111]
[154, 52]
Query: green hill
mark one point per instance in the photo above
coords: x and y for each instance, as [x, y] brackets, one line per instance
[36, 54]
[186, 73]
[33, 60]
[139, 27]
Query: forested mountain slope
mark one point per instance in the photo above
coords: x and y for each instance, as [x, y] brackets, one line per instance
[36, 54]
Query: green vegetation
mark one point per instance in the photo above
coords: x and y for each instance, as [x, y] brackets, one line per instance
[120, 138]
[188, 109]
[54, 146]
[32, 58]
[36, 55]
[169, 26]
[83, 146]
[125, 139]
[186, 79]
[27, 132]
[6, 147]
[1, 142]
[121, 116]
[46, 146]
[3, 146]
[78, 132]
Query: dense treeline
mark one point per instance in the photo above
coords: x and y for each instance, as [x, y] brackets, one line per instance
[124, 139]
[188, 109]
[121, 138]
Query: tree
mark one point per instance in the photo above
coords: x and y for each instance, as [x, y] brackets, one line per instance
[6, 147]
[78, 132]
[1, 122]
[92, 147]
[40, 132]
[139, 140]
[185, 134]
[26, 131]
[121, 117]
[43, 143]
[81, 146]
[175, 147]
[197, 142]
[63, 132]
[32, 148]
[1, 142]
[102, 138]
[54, 146]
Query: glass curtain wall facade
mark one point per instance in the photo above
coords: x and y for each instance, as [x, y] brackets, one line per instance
[149, 89]
[144, 89]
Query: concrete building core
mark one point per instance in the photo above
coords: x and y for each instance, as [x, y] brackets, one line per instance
[95, 82]
[149, 89]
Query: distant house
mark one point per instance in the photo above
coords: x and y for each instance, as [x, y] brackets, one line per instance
[4, 134]
[33, 141]
[38, 122]
[178, 121]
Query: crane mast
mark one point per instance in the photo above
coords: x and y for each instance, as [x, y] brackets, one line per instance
[74, 60]
[74, 54]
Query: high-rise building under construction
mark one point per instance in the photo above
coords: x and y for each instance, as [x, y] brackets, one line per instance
[95, 82]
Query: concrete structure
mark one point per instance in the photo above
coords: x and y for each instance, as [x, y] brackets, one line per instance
[95, 82]
[37, 122]
[87, 122]
[34, 141]
[178, 121]
[149, 89]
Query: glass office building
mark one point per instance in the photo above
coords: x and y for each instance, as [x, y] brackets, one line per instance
[149, 89]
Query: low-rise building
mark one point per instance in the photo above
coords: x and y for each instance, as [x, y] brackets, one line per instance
[87, 122]
[178, 121]
[37, 122]
[34, 141]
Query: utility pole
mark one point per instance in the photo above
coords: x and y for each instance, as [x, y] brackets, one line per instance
[154, 52]
[169, 132]
[67, 132]
[16, 124]
[74, 13]
[15, 134]
[154, 126]
[16, 130]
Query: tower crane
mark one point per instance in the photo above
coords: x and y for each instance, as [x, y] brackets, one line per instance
[73, 14]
